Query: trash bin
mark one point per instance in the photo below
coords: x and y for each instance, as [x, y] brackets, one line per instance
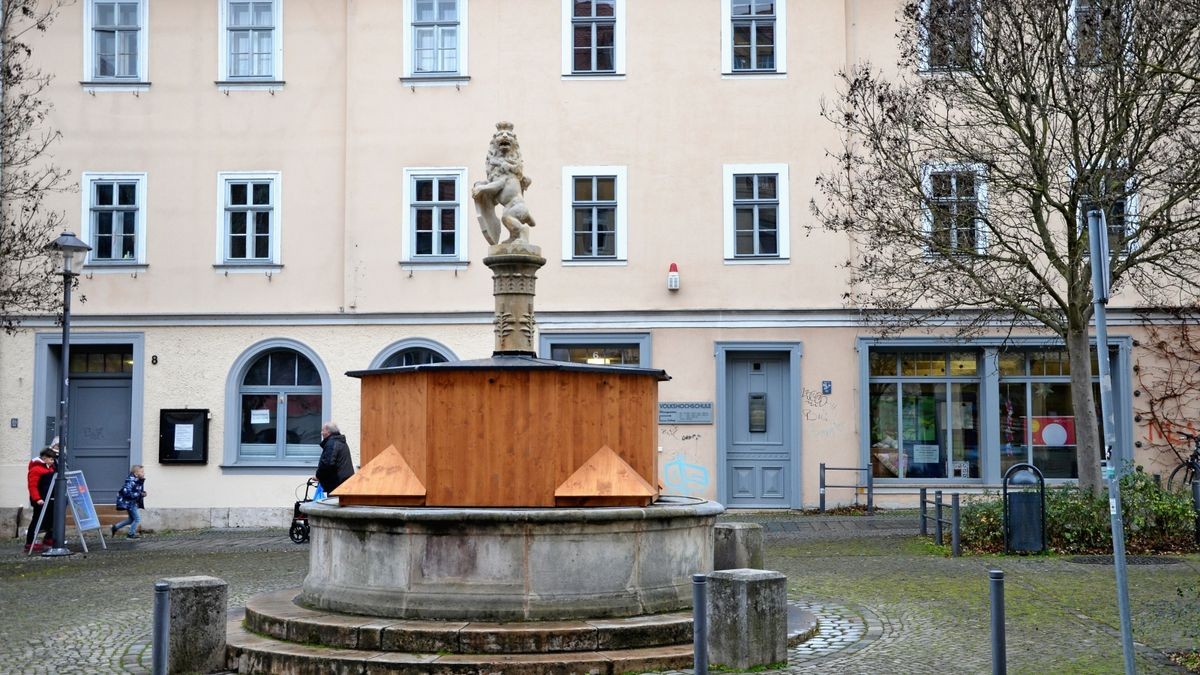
[1024, 509]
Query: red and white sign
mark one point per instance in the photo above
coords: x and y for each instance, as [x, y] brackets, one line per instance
[1053, 430]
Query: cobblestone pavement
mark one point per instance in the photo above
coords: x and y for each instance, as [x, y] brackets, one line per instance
[886, 600]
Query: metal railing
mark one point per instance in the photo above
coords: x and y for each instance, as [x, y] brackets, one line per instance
[939, 521]
[870, 486]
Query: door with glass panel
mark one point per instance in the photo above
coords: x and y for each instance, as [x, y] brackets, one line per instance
[759, 439]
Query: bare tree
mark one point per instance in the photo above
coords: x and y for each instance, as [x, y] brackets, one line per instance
[963, 180]
[1168, 376]
[28, 280]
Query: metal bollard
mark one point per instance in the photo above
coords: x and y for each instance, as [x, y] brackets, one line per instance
[937, 512]
[999, 654]
[955, 548]
[821, 487]
[924, 512]
[870, 491]
[700, 624]
[1196, 505]
[162, 627]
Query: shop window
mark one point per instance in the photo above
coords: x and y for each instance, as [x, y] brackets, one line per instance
[603, 350]
[278, 399]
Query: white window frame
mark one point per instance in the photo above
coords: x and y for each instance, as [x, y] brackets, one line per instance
[780, 43]
[408, 243]
[409, 60]
[223, 76]
[728, 171]
[89, 50]
[1132, 202]
[1073, 32]
[87, 180]
[222, 259]
[981, 199]
[569, 173]
[976, 44]
[568, 44]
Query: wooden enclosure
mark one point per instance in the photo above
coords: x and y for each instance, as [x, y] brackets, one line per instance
[509, 437]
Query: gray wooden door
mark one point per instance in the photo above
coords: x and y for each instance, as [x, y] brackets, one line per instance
[758, 431]
[100, 426]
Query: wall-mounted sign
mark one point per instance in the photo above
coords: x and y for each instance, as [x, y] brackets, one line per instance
[183, 436]
[685, 412]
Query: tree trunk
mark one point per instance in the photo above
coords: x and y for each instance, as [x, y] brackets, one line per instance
[1088, 443]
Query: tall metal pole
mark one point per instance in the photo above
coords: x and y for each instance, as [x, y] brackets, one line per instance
[699, 624]
[1098, 243]
[59, 531]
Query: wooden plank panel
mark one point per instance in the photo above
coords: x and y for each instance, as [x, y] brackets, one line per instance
[388, 475]
[508, 437]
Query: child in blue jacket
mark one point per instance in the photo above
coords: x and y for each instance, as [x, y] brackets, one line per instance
[130, 499]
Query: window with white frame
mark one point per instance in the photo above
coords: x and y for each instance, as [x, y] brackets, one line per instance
[1095, 30]
[280, 398]
[1113, 194]
[597, 349]
[951, 34]
[594, 213]
[955, 203]
[434, 216]
[249, 218]
[756, 212]
[114, 217]
[593, 37]
[117, 36]
[251, 48]
[436, 38]
[753, 36]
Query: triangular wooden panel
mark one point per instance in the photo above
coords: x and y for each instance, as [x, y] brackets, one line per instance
[387, 480]
[604, 480]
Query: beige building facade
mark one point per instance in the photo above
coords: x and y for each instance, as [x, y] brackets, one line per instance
[277, 192]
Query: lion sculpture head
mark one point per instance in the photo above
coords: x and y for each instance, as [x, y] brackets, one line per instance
[504, 155]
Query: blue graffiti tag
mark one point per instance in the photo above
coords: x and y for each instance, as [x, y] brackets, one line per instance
[682, 477]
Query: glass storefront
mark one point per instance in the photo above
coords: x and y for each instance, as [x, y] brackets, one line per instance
[927, 421]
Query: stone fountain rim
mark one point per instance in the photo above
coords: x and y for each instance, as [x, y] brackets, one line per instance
[671, 507]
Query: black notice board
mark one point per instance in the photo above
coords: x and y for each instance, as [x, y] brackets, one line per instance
[183, 436]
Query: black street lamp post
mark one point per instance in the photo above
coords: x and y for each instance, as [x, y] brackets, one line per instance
[72, 250]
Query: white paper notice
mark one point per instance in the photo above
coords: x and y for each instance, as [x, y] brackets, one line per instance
[183, 437]
[260, 417]
[925, 454]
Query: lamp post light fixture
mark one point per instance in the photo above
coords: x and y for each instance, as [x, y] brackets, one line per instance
[71, 249]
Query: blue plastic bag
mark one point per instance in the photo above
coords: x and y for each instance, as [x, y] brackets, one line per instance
[320, 493]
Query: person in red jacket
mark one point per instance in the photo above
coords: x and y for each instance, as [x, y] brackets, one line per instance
[38, 480]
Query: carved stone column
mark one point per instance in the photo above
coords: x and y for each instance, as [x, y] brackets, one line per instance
[514, 274]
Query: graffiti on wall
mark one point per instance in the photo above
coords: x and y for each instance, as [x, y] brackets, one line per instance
[679, 475]
[819, 413]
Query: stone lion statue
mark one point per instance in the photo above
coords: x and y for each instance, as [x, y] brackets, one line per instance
[505, 185]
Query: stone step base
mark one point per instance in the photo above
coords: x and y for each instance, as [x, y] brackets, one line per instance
[251, 653]
[276, 615]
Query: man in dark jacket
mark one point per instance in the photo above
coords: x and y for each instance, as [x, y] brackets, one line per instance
[335, 465]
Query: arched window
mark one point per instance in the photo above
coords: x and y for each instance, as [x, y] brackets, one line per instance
[279, 405]
[413, 356]
[412, 352]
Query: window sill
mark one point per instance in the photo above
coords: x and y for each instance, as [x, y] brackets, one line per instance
[414, 81]
[102, 267]
[456, 265]
[754, 75]
[599, 262]
[92, 86]
[757, 261]
[251, 267]
[250, 85]
[288, 466]
[594, 76]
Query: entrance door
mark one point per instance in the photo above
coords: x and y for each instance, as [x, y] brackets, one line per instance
[99, 433]
[758, 431]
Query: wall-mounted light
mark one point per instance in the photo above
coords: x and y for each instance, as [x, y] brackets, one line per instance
[673, 278]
